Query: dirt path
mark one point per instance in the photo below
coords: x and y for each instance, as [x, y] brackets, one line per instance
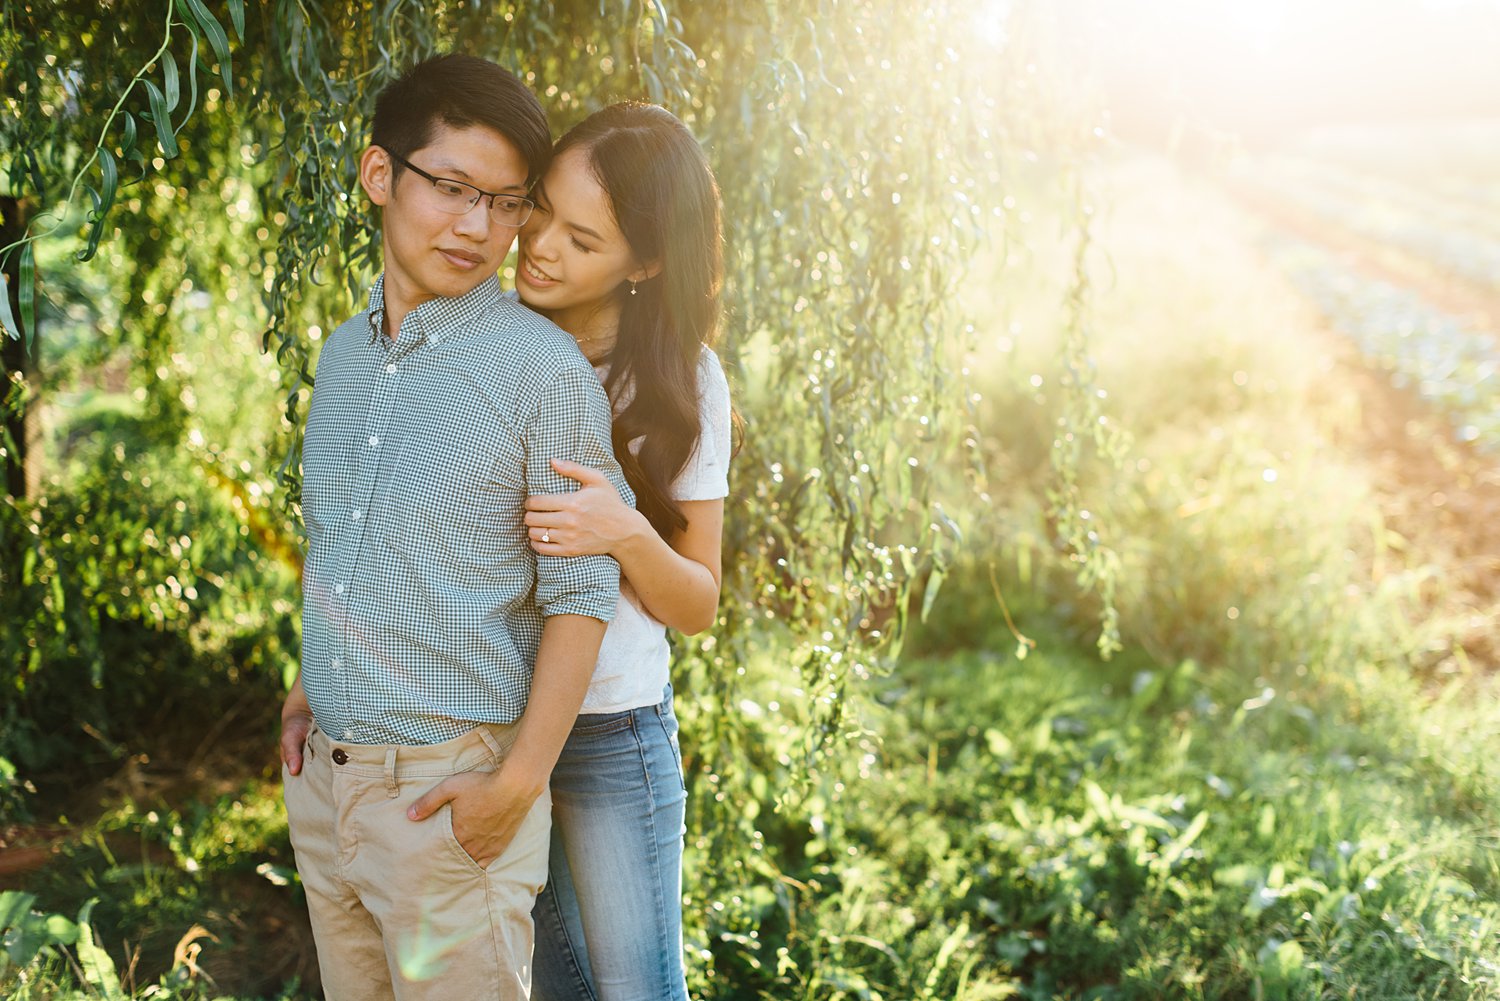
[1440, 496]
[1476, 306]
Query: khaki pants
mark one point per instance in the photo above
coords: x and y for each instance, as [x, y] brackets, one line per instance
[399, 909]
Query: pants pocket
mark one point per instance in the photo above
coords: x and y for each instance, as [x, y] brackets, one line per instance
[525, 832]
[445, 819]
[669, 729]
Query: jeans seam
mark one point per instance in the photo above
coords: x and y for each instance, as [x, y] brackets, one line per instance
[663, 966]
[583, 985]
[658, 893]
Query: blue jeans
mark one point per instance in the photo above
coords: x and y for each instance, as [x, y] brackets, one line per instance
[609, 923]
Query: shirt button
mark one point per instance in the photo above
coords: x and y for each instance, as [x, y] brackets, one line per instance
[348, 735]
[356, 514]
[337, 664]
[374, 441]
[338, 589]
[390, 369]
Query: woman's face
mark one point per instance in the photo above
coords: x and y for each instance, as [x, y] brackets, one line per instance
[572, 253]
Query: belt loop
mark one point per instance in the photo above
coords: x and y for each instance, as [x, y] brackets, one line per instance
[491, 741]
[390, 772]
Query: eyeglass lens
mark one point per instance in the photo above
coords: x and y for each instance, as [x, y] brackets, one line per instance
[508, 210]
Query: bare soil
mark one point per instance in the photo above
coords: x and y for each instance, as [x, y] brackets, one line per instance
[1440, 495]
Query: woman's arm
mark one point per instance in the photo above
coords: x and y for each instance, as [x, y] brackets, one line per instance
[678, 583]
[489, 807]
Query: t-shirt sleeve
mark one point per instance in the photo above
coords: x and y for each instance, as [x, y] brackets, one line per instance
[572, 422]
[706, 475]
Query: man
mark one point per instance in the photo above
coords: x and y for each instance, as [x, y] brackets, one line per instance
[418, 742]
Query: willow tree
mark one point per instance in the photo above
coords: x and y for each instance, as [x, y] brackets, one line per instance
[857, 145]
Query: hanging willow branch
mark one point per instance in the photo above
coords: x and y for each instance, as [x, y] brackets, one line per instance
[858, 153]
[54, 127]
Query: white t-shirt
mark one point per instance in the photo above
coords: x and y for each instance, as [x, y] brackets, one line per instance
[633, 659]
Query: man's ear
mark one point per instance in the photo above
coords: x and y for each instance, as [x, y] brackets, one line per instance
[375, 174]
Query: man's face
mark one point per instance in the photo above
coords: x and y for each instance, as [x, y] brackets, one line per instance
[430, 253]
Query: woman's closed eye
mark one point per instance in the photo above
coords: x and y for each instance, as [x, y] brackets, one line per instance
[585, 248]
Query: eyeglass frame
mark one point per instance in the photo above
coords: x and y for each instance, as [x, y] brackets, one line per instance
[435, 179]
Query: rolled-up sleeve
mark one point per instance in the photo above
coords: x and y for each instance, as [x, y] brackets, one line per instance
[572, 422]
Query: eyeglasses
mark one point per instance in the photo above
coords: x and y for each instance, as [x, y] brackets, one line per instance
[458, 198]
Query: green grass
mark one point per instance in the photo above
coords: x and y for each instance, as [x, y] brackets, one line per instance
[1057, 827]
[1037, 828]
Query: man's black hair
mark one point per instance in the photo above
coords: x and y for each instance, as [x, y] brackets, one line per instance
[461, 91]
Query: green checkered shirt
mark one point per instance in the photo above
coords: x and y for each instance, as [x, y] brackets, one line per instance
[423, 601]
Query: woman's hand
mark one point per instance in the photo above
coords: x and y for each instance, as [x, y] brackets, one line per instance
[487, 811]
[591, 521]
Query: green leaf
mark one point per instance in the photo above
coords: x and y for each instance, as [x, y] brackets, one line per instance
[1142, 817]
[101, 205]
[999, 744]
[162, 119]
[237, 16]
[61, 930]
[14, 905]
[1267, 824]
[929, 595]
[1098, 801]
[7, 318]
[27, 937]
[1174, 851]
[945, 953]
[170, 84]
[34, 168]
[127, 142]
[111, 175]
[192, 80]
[27, 293]
[217, 40]
[654, 88]
[1244, 874]
[98, 968]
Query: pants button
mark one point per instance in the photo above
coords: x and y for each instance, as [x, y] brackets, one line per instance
[340, 756]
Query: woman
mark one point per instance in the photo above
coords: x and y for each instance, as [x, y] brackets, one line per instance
[623, 252]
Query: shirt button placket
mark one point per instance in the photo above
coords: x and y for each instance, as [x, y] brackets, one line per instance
[367, 465]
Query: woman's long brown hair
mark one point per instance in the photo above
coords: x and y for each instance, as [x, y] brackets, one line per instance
[666, 204]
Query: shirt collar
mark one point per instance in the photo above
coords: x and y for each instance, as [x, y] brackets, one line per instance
[437, 319]
[376, 309]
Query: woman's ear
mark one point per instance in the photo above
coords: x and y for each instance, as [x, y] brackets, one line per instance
[648, 271]
[375, 174]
